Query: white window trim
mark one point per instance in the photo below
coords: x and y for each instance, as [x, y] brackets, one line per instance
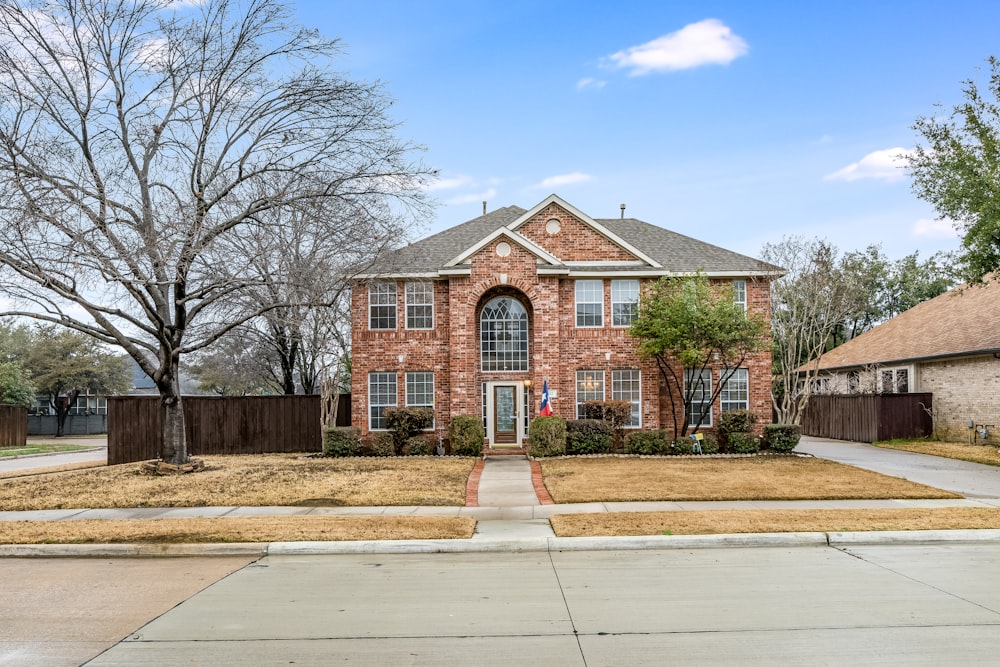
[409, 404]
[614, 303]
[577, 303]
[633, 370]
[576, 388]
[406, 299]
[372, 306]
[745, 371]
[394, 404]
[710, 421]
[741, 302]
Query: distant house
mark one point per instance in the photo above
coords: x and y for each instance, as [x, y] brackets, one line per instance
[948, 346]
[476, 319]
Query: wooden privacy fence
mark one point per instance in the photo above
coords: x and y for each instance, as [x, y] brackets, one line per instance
[868, 417]
[215, 425]
[13, 425]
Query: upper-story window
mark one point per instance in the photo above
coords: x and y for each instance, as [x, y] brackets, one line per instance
[624, 302]
[503, 331]
[382, 305]
[589, 303]
[420, 305]
[740, 294]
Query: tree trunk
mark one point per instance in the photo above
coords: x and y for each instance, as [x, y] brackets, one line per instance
[174, 447]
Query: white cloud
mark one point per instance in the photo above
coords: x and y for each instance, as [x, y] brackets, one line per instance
[449, 183]
[563, 179]
[708, 42]
[473, 198]
[938, 229]
[590, 83]
[883, 165]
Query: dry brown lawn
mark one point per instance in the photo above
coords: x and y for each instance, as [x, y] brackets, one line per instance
[614, 479]
[260, 480]
[717, 522]
[963, 451]
[244, 529]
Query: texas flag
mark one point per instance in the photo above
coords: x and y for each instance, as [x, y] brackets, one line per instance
[546, 409]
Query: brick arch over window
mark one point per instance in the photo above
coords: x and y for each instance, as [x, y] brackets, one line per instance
[504, 328]
[484, 288]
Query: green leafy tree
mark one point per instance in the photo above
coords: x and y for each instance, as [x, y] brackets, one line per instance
[957, 171]
[688, 324]
[15, 387]
[64, 364]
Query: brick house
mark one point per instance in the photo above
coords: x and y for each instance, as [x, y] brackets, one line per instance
[948, 346]
[474, 319]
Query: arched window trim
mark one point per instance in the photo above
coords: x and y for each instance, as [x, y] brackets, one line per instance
[503, 335]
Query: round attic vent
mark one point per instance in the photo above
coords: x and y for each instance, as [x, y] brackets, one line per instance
[503, 248]
[553, 226]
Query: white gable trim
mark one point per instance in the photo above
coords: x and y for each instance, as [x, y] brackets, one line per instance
[587, 220]
[520, 240]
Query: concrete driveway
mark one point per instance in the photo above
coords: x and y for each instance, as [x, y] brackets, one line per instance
[972, 480]
[890, 605]
[98, 455]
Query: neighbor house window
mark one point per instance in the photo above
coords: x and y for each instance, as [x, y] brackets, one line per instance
[624, 302]
[503, 332]
[735, 394]
[698, 385]
[589, 303]
[589, 387]
[895, 381]
[381, 395]
[382, 306]
[626, 385]
[740, 294]
[89, 405]
[420, 390]
[420, 305]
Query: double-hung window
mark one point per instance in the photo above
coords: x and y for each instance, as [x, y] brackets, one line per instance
[420, 390]
[589, 303]
[740, 294]
[420, 305]
[589, 387]
[626, 385]
[381, 395]
[382, 305]
[735, 394]
[624, 302]
[698, 386]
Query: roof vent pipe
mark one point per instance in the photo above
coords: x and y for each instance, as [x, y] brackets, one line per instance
[484, 208]
[623, 211]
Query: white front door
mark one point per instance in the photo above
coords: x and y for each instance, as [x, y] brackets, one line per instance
[504, 422]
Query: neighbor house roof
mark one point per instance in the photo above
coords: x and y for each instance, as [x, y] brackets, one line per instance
[964, 321]
[660, 251]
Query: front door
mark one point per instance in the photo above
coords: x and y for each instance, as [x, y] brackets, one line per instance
[505, 415]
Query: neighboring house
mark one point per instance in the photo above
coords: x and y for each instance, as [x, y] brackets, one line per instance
[948, 346]
[475, 319]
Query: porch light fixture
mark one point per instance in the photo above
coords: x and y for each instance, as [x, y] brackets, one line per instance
[527, 382]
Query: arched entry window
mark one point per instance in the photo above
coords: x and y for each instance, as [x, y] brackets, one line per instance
[504, 335]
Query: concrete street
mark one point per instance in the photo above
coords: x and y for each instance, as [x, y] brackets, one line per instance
[885, 605]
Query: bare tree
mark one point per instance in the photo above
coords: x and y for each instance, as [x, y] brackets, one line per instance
[808, 304]
[143, 142]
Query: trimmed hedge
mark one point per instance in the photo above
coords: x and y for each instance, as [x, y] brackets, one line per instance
[782, 437]
[417, 446]
[647, 442]
[547, 436]
[588, 436]
[342, 441]
[744, 443]
[383, 444]
[466, 433]
[709, 445]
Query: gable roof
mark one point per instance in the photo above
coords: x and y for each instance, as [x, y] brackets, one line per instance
[964, 321]
[660, 251]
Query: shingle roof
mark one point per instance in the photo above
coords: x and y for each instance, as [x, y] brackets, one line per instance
[675, 252]
[963, 321]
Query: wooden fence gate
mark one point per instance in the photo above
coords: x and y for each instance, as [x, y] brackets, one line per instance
[869, 417]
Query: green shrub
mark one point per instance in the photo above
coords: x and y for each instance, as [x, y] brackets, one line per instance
[682, 446]
[734, 421]
[617, 414]
[466, 434]
[588, 436]
[547, 436]
[744, 443]
[383, 443]
[646, 442]
[342, 441]
[417, 446]
[709, 445]
[782, 437]
[404, 423]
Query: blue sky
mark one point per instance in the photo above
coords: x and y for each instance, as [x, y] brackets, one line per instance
[733, 122]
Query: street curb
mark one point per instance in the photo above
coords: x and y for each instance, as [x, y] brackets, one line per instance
[538, 544]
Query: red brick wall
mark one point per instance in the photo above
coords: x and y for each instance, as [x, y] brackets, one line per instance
[575, 242]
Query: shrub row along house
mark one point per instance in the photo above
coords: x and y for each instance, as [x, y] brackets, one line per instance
[477, 319]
